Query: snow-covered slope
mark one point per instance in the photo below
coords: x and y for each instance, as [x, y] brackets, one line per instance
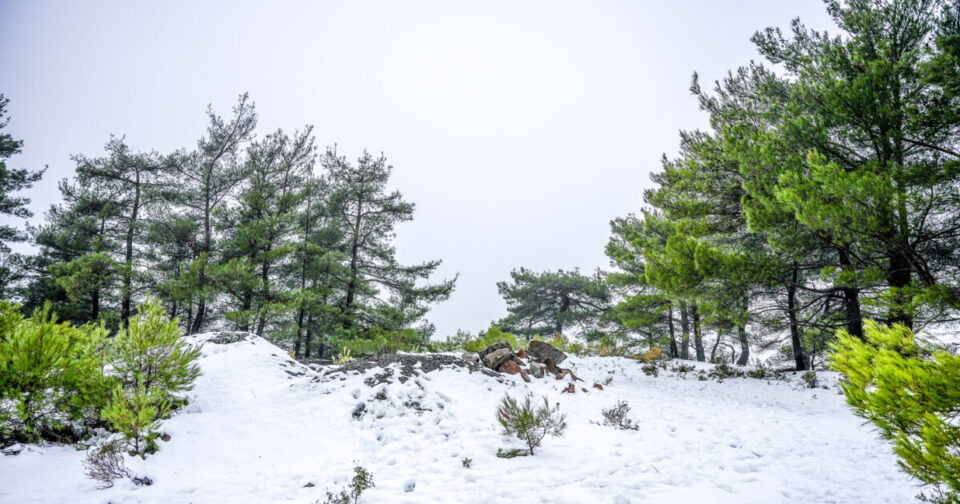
[260, 427]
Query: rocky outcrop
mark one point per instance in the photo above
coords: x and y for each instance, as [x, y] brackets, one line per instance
[539, 360]
[541, 351]
[494, 359]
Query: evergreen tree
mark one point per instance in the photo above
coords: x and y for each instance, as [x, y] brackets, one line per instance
[207, 176]
[642, 308]
[261, 227]
[367, 214]
[546, 303]
[12, 180]
[876, 124]
[131, 179]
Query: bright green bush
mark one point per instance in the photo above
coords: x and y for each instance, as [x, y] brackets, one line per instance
[51, 376]
[379, 341]
[911, 392]
[136, 414]
[493, 335]
[154, 366]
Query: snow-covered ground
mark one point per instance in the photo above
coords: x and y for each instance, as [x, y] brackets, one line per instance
[260, 427]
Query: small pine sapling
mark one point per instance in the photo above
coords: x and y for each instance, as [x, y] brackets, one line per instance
[361, 482]
[136, 414]
[154, 367]
[530, 423]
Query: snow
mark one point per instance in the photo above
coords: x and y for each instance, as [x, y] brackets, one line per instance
[259, 427]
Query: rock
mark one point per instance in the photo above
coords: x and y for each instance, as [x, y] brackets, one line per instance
[308, 485]
[471, 357]
[511, 367]
[142, 481]
[482, 354]
[522, 353]
[571, 388]
[541, 351]
[598, 386]
[359, 410]
[563, 373]
[409, 486]
[493, 359]
[537, 369]
[551, 367]
[584, 389]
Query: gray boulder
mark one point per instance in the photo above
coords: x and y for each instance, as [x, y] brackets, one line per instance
[540, 351]
[493, 348]
[494, 359]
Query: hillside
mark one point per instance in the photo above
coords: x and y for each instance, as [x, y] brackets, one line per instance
[260, 427]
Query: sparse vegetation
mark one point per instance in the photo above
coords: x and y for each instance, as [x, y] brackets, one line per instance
[362, 481]
[105, 464]
[810, 379]
[617, 417]
[530, 423]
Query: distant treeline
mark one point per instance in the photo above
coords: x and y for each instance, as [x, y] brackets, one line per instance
[258, 234]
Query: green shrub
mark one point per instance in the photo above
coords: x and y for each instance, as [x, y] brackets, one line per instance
[378, 341]
[911, 392]
[530, 423]
[493, 335]
[150, 352]
[723, 371]
[136, 414]
[51, 376]
[154, 367]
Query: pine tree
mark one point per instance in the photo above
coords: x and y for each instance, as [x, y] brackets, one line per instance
[367, 214]
[261, 227]
[12, 180]
[548, 302]
[131, 180]
[207, 176]
[874, 122]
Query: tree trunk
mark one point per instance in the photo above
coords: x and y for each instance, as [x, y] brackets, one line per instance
[128, 257]
[204, 257]
[674, 352]
[697, 334]
[300, 314]
[95, 310]
[742, 333]
[685, 332]
[795, 341]
[564, 306]
[354, 252]
[713, 351]
[744, 345]
[265, 283]
[898, 277]
[851, 296]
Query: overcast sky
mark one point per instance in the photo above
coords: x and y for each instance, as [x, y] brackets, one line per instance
[519, 129]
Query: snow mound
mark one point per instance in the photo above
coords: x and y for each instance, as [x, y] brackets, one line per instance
[261, 427]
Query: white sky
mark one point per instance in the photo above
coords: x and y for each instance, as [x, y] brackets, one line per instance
[518, 128]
